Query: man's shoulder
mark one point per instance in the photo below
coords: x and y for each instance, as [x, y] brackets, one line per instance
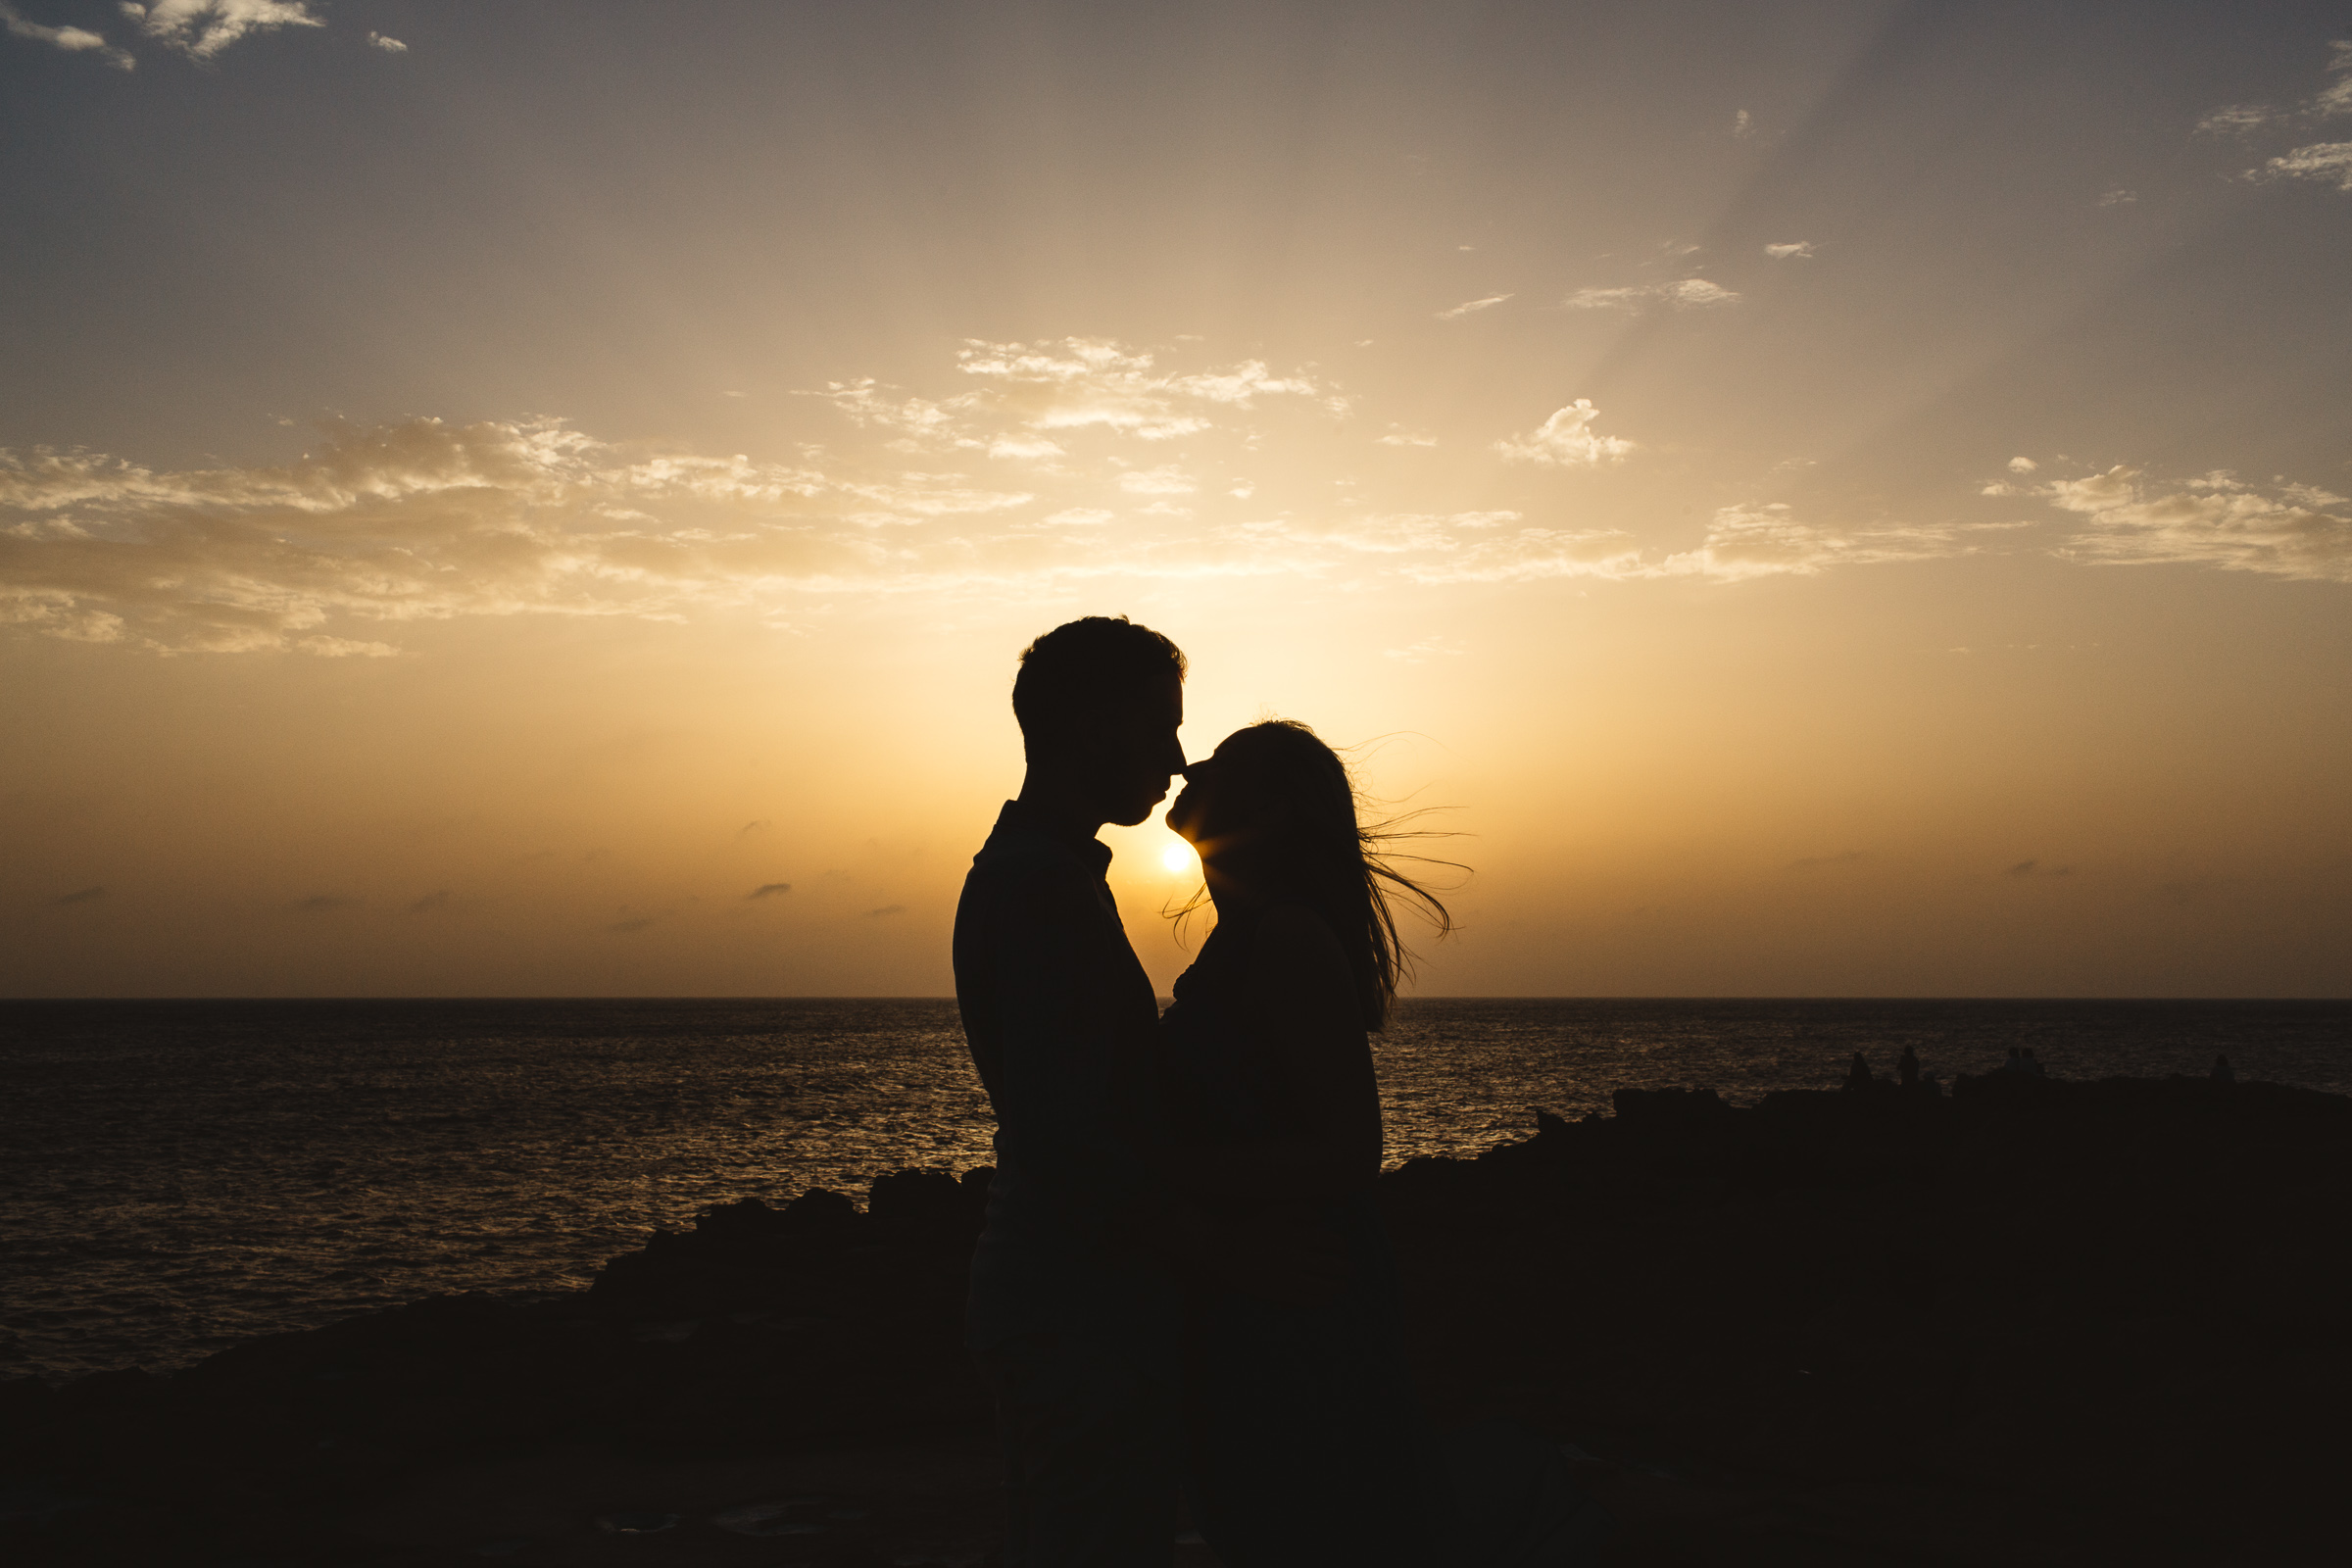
[1024, 865]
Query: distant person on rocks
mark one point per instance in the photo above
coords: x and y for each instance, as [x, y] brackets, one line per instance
[2223, 1072]
[1857, 1073]
[2026, 1062]
[1306, 1445]
[2015, 1064]
[1073, 1317]
[1906, 1068]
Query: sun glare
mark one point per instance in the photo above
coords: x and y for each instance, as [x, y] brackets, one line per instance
[1177, 856]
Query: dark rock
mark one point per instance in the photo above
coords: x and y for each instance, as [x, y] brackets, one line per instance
[1668, 1108]
[2037, 1322]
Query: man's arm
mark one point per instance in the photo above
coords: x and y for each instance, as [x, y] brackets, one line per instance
[1055, 1078]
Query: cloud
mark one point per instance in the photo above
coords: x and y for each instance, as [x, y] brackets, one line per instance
[73, 40]
[1752, 540]
[863, 404]
[1405, 438]
[2023, 465]
[77, 896]
[1457, 312]
[393, 46]
[1698, 292]
[432, 903]
[886, 909]
[1744, 124]
[1077, 383]
[1795, 250]
[2325, 160]
[1534, 555]
[1689, 293]
[768, 890]
[420, 521]
[1566, 441]
[2212, 520]
[1427, 649]
[2333, 100]
[1607, 299]
[202, 28]
[325, 904]
[2236, 120]
[381, 529]
[631, 926]
[2026, 868]
[1166, 480]
[2118, 197]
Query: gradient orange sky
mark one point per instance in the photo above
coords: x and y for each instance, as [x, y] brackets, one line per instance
[1833, 500]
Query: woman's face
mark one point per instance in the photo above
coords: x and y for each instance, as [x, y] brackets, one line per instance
[1214, 804]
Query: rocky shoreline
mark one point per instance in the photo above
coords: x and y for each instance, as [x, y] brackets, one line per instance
[2033, 1322]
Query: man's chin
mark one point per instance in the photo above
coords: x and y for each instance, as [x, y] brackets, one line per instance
[1137, 815]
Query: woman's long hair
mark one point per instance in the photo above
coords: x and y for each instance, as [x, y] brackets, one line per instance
[1331, 857]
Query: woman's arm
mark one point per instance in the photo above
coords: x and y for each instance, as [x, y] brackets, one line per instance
[1304, 1020]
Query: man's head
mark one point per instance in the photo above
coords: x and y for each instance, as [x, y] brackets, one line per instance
[1100, 701]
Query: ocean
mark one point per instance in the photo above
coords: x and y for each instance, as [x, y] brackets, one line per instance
[176, 1176]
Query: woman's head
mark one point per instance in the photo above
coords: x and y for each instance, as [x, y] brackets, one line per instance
[1273, 810]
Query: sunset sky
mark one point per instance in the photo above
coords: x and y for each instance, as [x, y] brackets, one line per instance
[544, 499]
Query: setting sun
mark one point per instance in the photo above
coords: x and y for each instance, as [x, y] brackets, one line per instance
[1177, 856]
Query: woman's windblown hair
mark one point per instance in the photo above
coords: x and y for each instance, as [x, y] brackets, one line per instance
[1332, 856]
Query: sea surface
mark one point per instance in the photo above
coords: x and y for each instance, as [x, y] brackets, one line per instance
[175, 1176]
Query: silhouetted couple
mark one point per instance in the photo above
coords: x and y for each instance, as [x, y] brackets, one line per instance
[1184, 1280]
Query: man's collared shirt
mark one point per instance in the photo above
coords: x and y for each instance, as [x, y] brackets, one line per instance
[1063, 1027]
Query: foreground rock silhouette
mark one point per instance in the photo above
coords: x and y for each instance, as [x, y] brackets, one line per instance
[2038, 1322]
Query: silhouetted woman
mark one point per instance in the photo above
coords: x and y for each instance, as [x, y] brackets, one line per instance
[1305, 1442]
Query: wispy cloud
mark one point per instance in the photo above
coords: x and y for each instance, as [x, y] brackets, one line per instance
[1770, 540]
[2236, 120]
[2326, 161]
[1457, 312]
[202, 28]
[1405, 438]
[2329, 162]
[2280, 530]
[390, 46]
[379, 529]
[1427, 649]
[1165, 481]
[1566, 440]
[886, 911]
[325, 904]
[79, 896]
[1077, 383]
[1795, 250]
[768, 890]
[73, 40]
[1689, 293]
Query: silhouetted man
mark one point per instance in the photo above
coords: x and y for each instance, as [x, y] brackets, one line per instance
[1073, 1326]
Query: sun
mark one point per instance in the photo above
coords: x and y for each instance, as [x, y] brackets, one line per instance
[1177, 856]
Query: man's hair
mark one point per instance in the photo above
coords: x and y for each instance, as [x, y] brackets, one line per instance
[1074, 673]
